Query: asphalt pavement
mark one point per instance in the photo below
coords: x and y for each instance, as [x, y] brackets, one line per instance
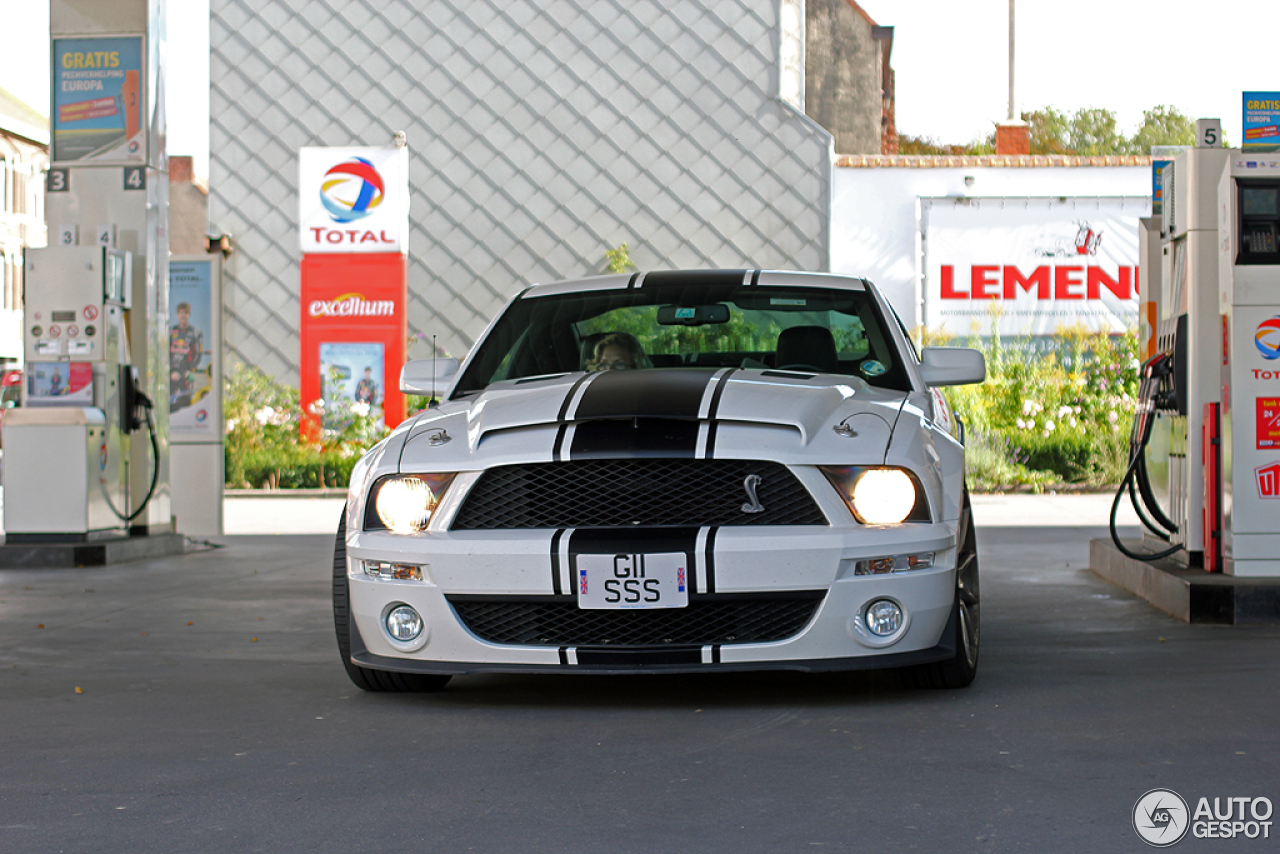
[197, 704]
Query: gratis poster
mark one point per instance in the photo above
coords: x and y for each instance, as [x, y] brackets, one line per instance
[98, 100]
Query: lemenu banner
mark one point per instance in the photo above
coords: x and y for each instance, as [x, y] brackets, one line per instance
[1037, 264]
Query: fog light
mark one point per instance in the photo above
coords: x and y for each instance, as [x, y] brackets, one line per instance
[404, 624]
[883, 617]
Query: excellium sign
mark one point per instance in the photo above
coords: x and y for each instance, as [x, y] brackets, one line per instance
[353, 199]
[352, 305]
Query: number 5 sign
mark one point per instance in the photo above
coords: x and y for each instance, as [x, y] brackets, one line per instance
[1208, 133]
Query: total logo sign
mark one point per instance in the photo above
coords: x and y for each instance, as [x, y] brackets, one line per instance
[1267, 338]
[353, 199]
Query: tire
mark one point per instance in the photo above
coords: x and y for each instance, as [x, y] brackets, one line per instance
[966, 617]
[366, 678]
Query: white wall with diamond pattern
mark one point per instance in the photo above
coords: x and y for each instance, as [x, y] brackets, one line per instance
[541, 134]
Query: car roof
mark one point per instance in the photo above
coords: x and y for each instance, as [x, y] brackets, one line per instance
[694, 278]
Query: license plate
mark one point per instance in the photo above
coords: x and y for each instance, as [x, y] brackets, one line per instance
[625, 581]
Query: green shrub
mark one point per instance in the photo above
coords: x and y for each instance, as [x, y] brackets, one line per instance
[1069, 455]
[992, 463]
[1056, 417]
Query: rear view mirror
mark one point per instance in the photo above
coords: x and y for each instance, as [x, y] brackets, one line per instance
[952, 366]
[693, 315]
[425, 377]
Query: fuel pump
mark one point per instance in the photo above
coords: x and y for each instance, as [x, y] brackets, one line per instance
[1188, 336]
[68, 446]
[1205, 455]
[1249, 359]
[87, 456]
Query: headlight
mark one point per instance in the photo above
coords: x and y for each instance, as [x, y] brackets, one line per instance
[879, 495]
[403, 503]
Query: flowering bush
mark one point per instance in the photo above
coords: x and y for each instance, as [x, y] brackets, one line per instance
[1061, 416]
[264, 447]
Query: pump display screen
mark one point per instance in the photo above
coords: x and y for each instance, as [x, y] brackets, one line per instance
[1259, 201]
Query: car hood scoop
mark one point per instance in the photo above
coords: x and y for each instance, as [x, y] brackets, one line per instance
[812, 404]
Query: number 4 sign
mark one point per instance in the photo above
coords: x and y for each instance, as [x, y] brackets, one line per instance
[135, 178]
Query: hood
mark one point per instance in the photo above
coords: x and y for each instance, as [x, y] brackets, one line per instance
[666, 412]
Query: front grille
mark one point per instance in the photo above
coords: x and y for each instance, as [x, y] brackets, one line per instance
[708, 619]
[635, 492]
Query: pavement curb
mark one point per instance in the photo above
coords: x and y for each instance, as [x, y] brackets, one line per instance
[328, 492]
[1192, 595]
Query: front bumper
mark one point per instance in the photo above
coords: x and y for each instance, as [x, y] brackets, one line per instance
[538, 565]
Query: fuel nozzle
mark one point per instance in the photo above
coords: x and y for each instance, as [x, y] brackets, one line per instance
[1159, 365]
[1154, 371]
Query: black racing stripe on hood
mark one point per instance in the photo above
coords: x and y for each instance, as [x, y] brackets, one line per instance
[675, 393]
[711, 413]
[634, 437]
[694, 279]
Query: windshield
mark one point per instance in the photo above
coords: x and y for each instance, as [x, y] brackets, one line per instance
[800, 329]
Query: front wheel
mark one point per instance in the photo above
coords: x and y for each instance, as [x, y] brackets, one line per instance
[366, 678]
[966, 616]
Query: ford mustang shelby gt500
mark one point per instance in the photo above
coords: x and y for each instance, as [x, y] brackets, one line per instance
[669, 472]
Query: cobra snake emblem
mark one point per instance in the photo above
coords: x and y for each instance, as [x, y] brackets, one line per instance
[749, 483]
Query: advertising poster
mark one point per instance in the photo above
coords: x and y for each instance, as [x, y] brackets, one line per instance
[59, 384]
[353, 200]
[1157, 185]
[351, 381]
[1038, 263]
[98, 100]
[192, 393]
[1261, 121]
[1268, 423]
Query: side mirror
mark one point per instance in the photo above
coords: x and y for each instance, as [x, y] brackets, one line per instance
[952, 366]
[424, 376]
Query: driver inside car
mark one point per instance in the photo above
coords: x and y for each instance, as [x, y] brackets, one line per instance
[618, 351]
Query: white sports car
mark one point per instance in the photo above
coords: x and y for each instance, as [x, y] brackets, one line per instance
[669, 472]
